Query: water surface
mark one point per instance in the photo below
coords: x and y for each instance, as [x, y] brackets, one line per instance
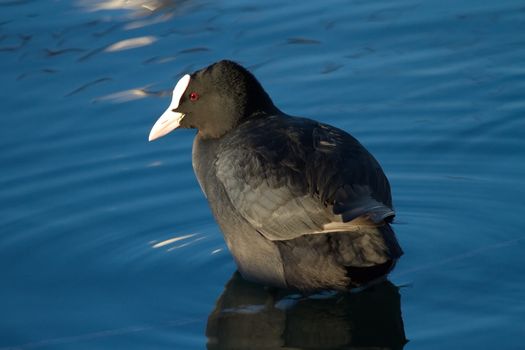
[107, 242]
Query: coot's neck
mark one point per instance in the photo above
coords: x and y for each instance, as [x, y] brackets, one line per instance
[219, 131]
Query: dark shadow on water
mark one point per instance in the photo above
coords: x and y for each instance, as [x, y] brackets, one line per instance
[248, 316]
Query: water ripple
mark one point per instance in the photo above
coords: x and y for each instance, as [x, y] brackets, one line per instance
[433, 89]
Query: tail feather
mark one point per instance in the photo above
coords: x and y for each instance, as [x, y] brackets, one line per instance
[361, 274]
[394, 249]
[340, 260]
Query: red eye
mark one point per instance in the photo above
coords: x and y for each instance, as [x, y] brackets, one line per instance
[194, 96]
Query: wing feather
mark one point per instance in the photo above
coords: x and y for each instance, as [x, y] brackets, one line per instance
[306, 178]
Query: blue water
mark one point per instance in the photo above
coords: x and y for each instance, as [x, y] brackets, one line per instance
[434, 89]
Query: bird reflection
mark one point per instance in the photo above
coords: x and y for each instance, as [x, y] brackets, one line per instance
[248, 316]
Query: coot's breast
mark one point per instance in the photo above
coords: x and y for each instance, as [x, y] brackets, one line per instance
[257, 258]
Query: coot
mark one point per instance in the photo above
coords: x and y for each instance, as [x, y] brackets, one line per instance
[302, 204]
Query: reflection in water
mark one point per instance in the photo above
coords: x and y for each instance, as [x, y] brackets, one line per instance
[131, 43]
[144, 6]
[248, 316]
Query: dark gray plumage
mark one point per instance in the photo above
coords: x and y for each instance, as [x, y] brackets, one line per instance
[302, 204]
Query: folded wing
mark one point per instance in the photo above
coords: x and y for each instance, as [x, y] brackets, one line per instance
[305, 178]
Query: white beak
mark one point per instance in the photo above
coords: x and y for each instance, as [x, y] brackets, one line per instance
[170, 120]
[167, 122]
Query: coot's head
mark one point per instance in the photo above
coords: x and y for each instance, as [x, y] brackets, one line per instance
[214, 100]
